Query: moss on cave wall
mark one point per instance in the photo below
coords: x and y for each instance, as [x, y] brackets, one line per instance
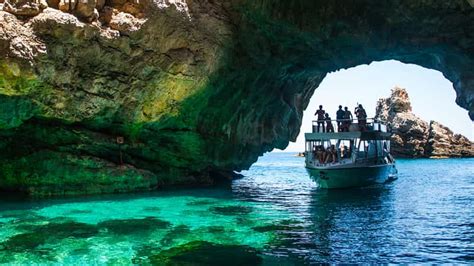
[15, 107]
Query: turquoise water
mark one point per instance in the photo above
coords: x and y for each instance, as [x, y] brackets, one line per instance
[275, 215]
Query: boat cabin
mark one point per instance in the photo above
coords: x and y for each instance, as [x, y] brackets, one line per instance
[370, 147]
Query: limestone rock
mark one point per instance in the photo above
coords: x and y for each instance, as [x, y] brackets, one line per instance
[53, 3]
[83, 9]
[107, 13]
[442, 142]
[67, 5]
[414, 137]
[18, 41]
[116, 3]
[86, 9]
[134, 9]
[125, 23]
[99, 4]
[28, 8]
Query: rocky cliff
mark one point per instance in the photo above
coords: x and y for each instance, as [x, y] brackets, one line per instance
[120, 95]
[414, 137]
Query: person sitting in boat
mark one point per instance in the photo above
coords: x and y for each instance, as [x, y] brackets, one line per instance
[344, 152]
[321, 154]
[347, 119]
[320, 115]
[361, 117]
[339, 118]
[329, 127]
[331, 154]
[316, 151]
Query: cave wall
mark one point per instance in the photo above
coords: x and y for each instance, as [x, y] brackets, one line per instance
[195, 92]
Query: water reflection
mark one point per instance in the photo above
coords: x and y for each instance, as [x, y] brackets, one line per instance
[343, 221]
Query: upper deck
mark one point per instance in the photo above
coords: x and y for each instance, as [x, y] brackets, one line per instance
[373, 130]
[366, 135]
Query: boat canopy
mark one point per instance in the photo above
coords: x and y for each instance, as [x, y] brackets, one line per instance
[363, 135]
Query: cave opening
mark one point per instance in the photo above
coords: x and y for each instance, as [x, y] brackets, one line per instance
[431, 95]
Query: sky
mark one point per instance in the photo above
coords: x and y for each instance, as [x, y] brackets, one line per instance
[432, 96]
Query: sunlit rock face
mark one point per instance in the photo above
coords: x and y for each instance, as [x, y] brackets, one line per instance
[414, 137]
[195, 89]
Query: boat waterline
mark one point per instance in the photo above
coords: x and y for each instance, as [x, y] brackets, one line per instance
[352, 177]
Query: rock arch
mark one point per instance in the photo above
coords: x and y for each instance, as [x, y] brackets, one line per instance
[195, 94]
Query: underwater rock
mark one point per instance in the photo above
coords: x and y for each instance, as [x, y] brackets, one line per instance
[414, 137]
[206, 253]
[38, 235]
[152, 209]
[62, 230]
[200, 202]
[216, 229]
[133, 226]
[24, 242]
[179, 231]
[231, 210]
[73, 211]
[194, 89]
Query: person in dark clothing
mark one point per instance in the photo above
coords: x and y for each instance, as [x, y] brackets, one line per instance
[329, 127]
[361, 117]
[339, 118]
[331, 155]
[320, 115]
[347, 119]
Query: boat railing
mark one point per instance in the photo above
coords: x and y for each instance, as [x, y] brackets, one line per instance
[350, 125]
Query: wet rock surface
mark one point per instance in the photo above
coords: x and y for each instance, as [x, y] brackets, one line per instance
[191, 88]
[414, 137]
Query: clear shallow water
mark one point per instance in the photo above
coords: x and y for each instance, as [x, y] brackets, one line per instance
[275, 215]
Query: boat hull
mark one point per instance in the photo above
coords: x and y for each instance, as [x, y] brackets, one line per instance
[353, 176]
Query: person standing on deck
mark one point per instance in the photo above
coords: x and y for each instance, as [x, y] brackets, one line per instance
[361, 117]
[339, 118]
[347, 119]
[320, 115]
[329, 127]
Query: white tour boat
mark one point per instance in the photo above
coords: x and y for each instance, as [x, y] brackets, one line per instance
[350, 159]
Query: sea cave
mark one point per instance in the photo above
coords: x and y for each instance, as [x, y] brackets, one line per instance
[185, 93]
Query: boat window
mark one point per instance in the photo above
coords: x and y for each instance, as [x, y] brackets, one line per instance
[372, 148]
[362, 146]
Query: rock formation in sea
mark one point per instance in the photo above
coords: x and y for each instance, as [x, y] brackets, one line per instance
[414, 137]
[122, 95]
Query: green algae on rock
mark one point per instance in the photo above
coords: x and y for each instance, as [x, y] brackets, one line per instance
[206, 253]
[41, 234]
[133, 226]
[197, 89]
[231, 210]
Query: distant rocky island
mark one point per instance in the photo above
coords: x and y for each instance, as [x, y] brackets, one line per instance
[416, 138]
